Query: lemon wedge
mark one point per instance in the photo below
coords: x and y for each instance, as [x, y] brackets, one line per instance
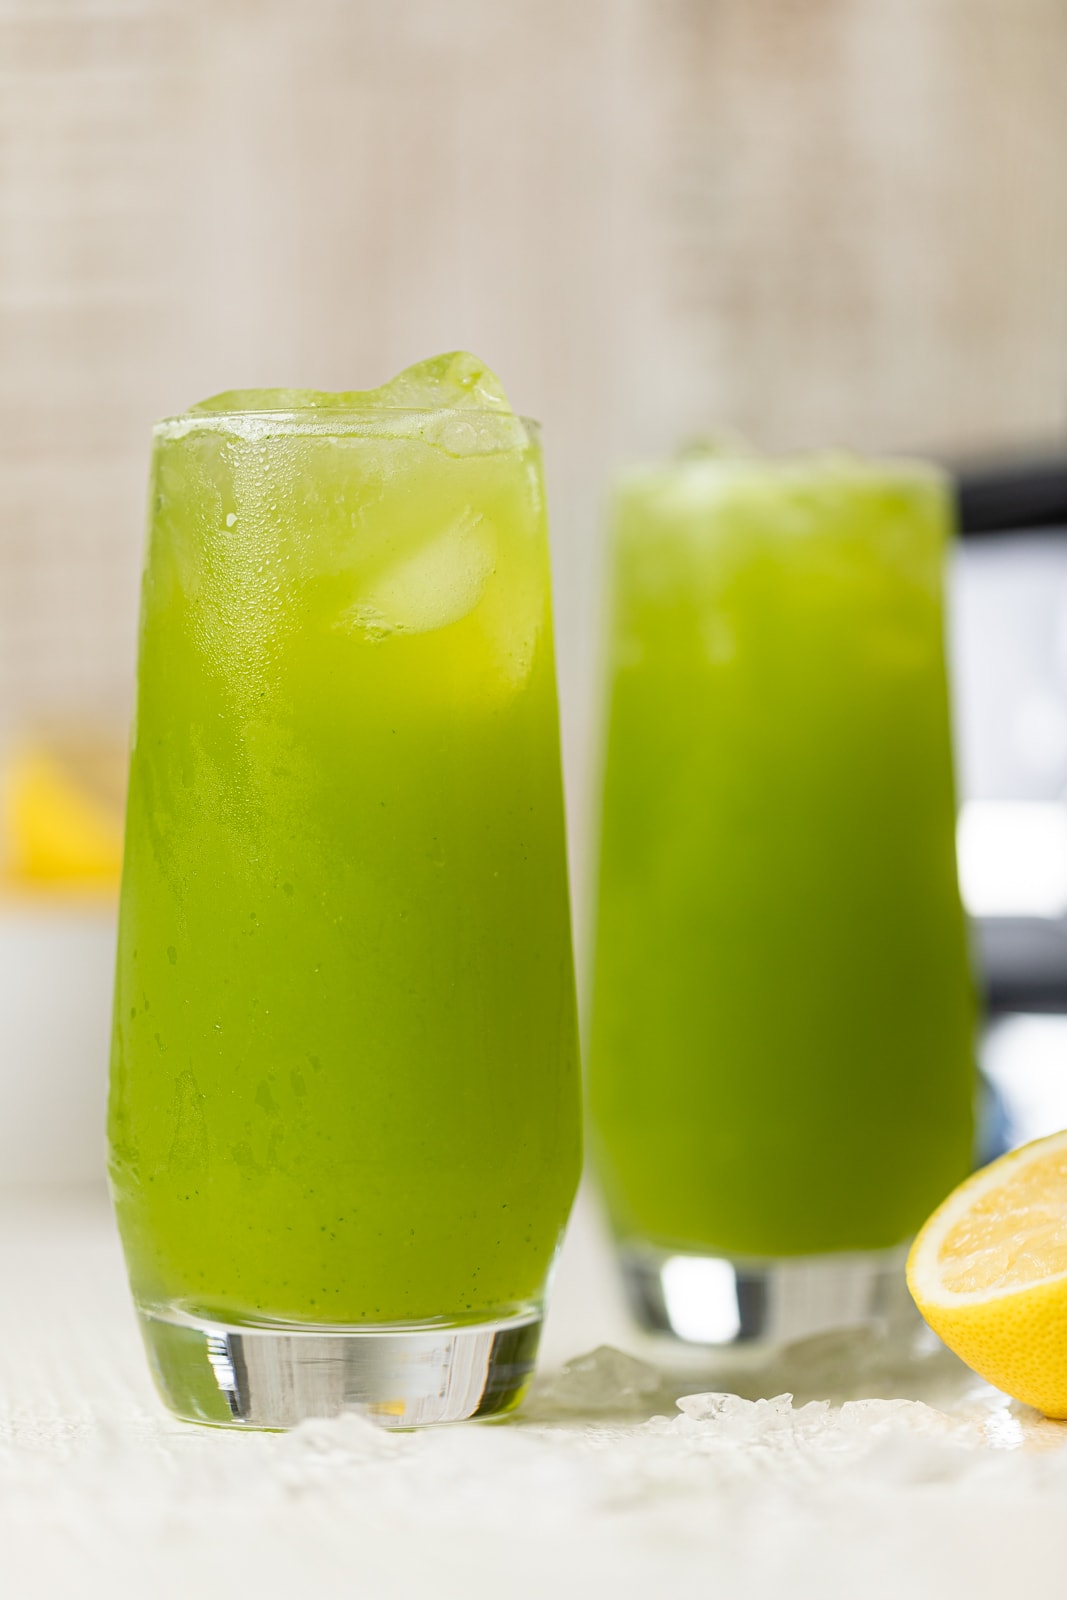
[988, 1271]
[62, 818]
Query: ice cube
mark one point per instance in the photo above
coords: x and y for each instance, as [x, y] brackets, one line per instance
[437, 584]
[456, 381]
[452, 402]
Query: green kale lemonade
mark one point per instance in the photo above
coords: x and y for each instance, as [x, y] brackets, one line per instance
[344, 1116]
[781, 1060]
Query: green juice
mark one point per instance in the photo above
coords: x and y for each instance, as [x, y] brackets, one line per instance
[781, 1058]
[345, 1078]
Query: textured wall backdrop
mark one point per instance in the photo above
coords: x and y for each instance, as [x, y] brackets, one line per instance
[837, 221]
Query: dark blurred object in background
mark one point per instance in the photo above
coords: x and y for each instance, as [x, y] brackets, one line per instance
[1009, 499]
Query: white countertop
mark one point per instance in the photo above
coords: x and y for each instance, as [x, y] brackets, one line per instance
[602, 1486]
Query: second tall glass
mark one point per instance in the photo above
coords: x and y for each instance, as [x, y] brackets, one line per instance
[781, 1066]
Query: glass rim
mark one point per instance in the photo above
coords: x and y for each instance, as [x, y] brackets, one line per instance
[859, 463]
[324, 417]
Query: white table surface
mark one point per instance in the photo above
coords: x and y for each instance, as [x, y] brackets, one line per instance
[601, 1489]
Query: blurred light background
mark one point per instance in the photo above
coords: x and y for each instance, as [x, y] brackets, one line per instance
[836, 222]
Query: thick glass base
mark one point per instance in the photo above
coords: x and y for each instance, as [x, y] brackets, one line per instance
[757, 1307]
[260, 1376]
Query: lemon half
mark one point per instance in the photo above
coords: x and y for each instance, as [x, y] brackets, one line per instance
[988, 1271]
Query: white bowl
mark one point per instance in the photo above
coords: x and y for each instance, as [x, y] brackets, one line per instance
[57, 965]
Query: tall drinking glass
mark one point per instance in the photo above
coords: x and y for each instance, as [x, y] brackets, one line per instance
[345, 1109]
[781, 1057]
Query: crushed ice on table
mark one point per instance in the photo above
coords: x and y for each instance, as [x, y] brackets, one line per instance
[764, 1421]
[854, 1363]
[603, 1382]
[760, 1498]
